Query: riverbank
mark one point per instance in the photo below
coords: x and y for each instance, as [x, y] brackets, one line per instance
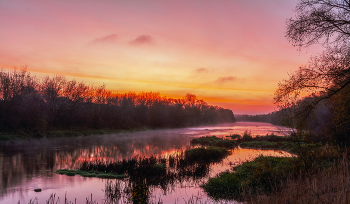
[318, 175]
[50, 134]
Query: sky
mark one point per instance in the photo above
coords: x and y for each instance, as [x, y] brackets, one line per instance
[229, 53]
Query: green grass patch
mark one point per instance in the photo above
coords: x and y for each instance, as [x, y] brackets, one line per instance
[298, 147]
[214, 141]
[235, 136]
[262, 175]
[206, 154]
[89, 173]
[259, 145]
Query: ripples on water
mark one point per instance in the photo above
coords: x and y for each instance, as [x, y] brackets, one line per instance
[31, 164]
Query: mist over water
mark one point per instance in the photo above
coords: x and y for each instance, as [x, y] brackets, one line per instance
[28, 165]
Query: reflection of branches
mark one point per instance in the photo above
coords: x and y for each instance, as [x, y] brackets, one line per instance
[112, 192]
[145, 173]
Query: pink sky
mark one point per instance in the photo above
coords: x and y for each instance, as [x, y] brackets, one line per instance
[229, 53]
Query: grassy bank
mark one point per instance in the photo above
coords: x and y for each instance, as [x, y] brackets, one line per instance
[286, 180]
[329, 185]
[247, 141]
[258, 176]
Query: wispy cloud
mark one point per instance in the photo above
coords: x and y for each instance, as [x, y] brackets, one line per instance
[226, 79]
[201, 70]
[142, 39]
[106, 39]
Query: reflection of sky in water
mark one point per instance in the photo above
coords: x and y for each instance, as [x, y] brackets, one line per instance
[29, 165]
[256, 128]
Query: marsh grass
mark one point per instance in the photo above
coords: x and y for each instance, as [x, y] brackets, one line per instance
[325, 179]
[325, 185]
[97, 174]
[206, 154]
[214, 141]
[155, 170]
[235, 136]
[259, 145]
[259, 176]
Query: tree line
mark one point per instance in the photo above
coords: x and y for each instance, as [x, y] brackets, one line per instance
[273, 118]
[30, 104]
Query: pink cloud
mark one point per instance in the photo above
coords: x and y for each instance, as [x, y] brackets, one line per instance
[142, 39]
[226, 79]
[106, 39]
[201, 70]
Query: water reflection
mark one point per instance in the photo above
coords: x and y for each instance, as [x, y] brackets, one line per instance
[27, 165]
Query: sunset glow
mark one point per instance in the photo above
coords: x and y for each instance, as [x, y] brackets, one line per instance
[228, 53]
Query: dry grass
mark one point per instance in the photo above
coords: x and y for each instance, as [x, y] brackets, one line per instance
[331, 185]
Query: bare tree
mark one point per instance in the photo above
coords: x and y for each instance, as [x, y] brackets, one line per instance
[320, 21]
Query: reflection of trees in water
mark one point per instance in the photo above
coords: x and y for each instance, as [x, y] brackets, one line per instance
[146, 174]
[22, 160]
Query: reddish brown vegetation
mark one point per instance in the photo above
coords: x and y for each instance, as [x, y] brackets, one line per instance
[29, 104]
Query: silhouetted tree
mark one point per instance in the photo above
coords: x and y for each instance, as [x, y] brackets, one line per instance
[320, 21]
[308, 92]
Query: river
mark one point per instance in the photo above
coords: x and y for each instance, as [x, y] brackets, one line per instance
[28, 165]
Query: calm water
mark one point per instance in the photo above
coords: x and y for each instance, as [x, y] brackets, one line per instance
[26, 166]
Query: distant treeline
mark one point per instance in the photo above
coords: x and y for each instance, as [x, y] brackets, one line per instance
[30, 104]
[273, 118]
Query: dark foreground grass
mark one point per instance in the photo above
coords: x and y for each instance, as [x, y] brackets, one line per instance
[90, 174]
[265, 178]
[326, 185]
[214, 141]
[259, 176]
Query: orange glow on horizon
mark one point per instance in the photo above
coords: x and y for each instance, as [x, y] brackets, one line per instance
[220, 52]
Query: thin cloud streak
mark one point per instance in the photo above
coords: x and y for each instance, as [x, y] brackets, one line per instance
[106, 39]
[226, 79]
[201, 70]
